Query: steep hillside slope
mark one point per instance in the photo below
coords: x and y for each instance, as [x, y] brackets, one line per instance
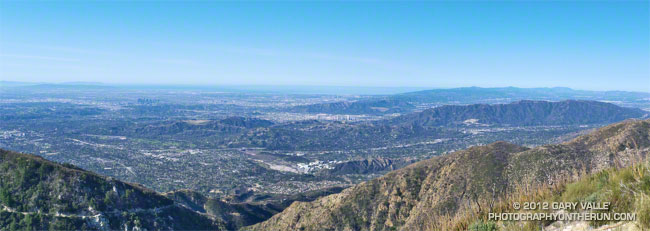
[414, 197]
[523, 113]
[243, 210]
[36, 194]
[627, 190]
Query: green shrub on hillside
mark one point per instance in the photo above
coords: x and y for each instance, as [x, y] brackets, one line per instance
[480, 225]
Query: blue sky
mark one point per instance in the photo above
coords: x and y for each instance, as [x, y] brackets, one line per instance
[583, 45]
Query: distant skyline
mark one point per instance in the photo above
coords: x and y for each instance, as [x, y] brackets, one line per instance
[583, 45]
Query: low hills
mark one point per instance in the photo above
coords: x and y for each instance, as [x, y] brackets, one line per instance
[366, 166]
[439, 122]
[187, 128]
[371, 107]
[522, 113]
[415, 197]
[430, 124]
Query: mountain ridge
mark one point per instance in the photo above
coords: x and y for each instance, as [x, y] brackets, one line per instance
[39, 194]
[414, 196]
[523, 113]
[432, 123]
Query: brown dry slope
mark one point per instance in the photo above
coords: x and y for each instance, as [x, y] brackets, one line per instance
[413, 197]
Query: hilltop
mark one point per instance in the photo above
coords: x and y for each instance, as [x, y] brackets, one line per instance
[522, 113]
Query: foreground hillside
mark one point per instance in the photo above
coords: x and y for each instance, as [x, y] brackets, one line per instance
[36, 194]
[418, 196]
[626, 189]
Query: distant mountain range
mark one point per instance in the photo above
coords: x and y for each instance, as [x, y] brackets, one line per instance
[428, 194]
[487, 95]
[408, 102]
[277, 89]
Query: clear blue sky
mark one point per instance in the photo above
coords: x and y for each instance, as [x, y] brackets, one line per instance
[583, 45]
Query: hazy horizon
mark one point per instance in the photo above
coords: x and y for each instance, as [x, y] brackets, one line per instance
[291, 89]
[580, 45]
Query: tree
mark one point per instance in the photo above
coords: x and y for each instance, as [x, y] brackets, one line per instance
[5, 197]
[108, 198]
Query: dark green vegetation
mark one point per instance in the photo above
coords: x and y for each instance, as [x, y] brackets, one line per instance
[424, 194]
[318, 135]
[36, 194]
[522, 113]
[366, 166]
[186, 129]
